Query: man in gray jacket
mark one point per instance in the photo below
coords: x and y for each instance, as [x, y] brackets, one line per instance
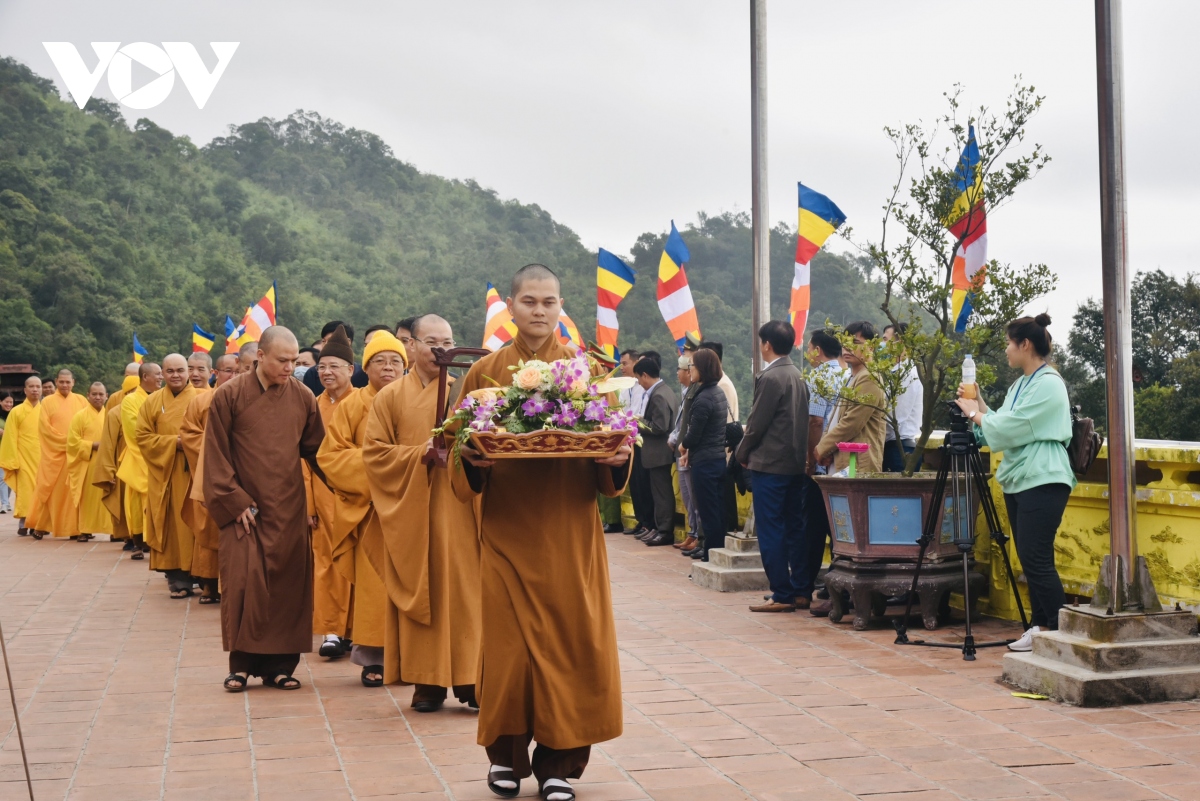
[655, 426]
[774, 450]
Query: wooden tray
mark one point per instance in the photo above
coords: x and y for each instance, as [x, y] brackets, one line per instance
[549, 444]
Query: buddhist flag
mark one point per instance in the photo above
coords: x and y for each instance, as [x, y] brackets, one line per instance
[818, 218]
[674, 295]
[967, 222]
[259, 318]
[498, 326]
[232, 332]
[567, 330]
[139, 350]
[614, 279]
[202, 341]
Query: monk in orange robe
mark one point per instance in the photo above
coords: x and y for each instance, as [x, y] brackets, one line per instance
[102, 472]
[83, 442]
[549, 670]
[357, 543]
[200, 370]
[260, 425]
[331, 590]
[53, 510]
[157, 432]
[431, 538]
[205, 568]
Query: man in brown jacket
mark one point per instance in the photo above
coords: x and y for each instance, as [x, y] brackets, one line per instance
[859, 416]
[775, 450]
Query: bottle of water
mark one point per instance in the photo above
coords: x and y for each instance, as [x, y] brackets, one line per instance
[968, 377]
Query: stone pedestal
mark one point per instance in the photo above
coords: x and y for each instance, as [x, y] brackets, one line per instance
[735, 568]
[870, 584]
[1097, 659]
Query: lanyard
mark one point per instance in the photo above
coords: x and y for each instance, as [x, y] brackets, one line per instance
[1025, 384]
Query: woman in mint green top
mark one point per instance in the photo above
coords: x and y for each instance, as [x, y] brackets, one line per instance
[1033, 429]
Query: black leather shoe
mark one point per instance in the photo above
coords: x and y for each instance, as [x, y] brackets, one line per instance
[614, 528]
[697, 549]
[661, 539]
[698, 553]
[636, 531]
[647, 535]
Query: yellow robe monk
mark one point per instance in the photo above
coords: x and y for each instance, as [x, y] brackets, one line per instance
[205, 531]
[133, 467]
[157, 436]
[102, 472]
[357, 550]
[53, 510]
[20, 452]
[87, 427]
[331, 590]
[431, 542]
[549, 660]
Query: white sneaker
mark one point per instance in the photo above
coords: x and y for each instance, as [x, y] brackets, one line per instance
[1026, 641]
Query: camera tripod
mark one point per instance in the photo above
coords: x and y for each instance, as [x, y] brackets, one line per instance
[962, 469]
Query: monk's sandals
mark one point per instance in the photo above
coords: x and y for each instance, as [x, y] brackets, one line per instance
[503, 782]
[557, 790]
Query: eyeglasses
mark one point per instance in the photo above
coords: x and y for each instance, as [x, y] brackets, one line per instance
[447, 344]
[327, 366]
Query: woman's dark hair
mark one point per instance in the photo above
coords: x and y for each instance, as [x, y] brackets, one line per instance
[708, 365]
[827, 343]
[1034, 330]
[780, 334]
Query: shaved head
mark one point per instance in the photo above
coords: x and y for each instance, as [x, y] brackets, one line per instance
[533, 272]
[175, 371]
[277, 336]
[200, 357]
[425, 321]
[150, 375]
[148, 368]
[132, 368]
[227, 361]
[65, 371]
[97, 395]
[246, 356]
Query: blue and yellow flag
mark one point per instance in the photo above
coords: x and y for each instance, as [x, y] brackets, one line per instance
[202, 341]
[139, 350]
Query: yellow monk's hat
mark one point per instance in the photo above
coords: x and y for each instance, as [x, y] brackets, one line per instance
[130, 383]
[381, 342]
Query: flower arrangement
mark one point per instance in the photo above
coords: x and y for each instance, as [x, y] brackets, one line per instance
[561, 396]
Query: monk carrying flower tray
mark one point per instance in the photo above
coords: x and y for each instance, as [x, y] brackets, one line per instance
[549, 410]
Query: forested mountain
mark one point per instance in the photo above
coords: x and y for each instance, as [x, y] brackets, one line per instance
[107, 229]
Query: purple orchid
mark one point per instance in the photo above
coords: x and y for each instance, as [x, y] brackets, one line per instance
[596, 410]
[566, 416]
[536, 405]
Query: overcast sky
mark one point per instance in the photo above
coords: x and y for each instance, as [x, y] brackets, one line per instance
[618, 116]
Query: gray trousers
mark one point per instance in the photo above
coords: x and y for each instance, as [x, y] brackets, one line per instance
[689, 504]
[663, 493]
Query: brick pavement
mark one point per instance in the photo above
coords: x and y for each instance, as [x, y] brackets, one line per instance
[121, 698]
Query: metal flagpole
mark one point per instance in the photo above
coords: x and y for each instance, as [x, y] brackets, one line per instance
[1124, 583]
[12, 694]
[760, 220]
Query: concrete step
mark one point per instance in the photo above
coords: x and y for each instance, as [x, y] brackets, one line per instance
[1078, 685]
[713, 576]
[1092, 624]
[1111, 657]
[735, 542]
[744, 560]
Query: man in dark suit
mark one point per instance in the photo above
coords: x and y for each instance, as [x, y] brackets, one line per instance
[775, 450]
[655, 426]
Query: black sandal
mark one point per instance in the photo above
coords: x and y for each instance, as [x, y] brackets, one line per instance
[377, 670]
[37, 535]
[138, 554]
[560, 787]
[496, 774]
[282, 682]
[180, 594]
[210, 599]
[235, 682]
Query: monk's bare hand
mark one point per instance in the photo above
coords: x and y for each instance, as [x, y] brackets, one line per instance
[618, 459]
[474, 457]
[95, 446]
[248, 519]
[179, 443]
[312, 521]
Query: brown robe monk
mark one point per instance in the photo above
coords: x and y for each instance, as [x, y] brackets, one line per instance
[169, 537]
[549, 669]
[205, 531]
[357, 548]
[431, 539]
[331, 590]
[253, 444]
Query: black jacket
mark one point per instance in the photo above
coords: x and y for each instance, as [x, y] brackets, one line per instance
[705, 438]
